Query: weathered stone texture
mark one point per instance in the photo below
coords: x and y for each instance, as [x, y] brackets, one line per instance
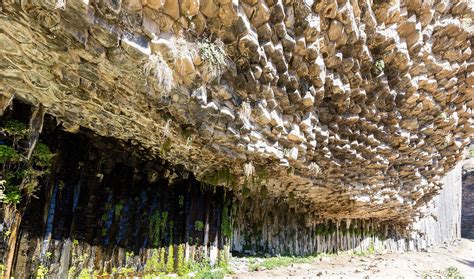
[467, 221]
[354, 109]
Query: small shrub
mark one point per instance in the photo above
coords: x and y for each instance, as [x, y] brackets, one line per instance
[118, 209]
[15, 129]
[41, 272]
[8, 154]
[226, 226]
[378, 67]
[2, 270]
[214, 58]
[182, 268]
[13, 196]
[42, 157]
[170, 261]
[198, 226]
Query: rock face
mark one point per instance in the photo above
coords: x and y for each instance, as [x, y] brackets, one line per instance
[105, 211]
[270, 227]
[467, 221]
[343, 109]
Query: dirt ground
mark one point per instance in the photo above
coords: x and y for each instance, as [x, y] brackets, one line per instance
[431, 264]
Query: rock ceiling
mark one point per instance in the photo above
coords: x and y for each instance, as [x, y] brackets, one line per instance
[348, 109]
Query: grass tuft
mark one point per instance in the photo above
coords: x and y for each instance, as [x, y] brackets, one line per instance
[214, 58]
[158, 67]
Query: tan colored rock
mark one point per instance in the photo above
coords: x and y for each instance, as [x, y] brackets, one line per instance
[190, 7]
[154, 4]
[171, 8]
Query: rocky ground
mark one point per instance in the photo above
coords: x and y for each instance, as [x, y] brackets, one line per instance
[435, 263]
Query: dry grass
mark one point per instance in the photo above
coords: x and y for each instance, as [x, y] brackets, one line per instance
[158, 67]
[314, 168]
[60, 4]
[249, 169]
[167, 129]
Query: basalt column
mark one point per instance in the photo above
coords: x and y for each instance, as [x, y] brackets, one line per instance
[467, 218]
[104, 209]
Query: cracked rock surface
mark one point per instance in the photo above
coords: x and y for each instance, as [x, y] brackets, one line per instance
[346, 109]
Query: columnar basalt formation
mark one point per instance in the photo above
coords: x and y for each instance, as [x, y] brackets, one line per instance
[467, 221]
[104, 211]
[342, 109]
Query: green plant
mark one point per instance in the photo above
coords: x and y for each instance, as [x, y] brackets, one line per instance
[42, 157]
[15, 129]
[223, 258]
[41, 271]
[84, 274]
[129, 257]
[61, 185]
[378, 67]
[153, 264]
[198, 226]
[13, 196]
[275, 262]
[2, 270]
[453, 273]
[182, 268]
[226, 227]
[21, 175]
[214, 58]
[118, 209]
[155, 226]
[211, 274]
[170, 260]
[371, 248]
[8, 154]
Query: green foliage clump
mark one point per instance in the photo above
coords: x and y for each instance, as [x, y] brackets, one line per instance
[198, 226]
[211, 274]
[214, 58]
[223, 258]
[2, 270]
[84, 274]
[453, 273]
[118, 209]
[8, 154]
[170, 260]
[152, 265]
[182, 268]
[378, 67]
[15, 129]
[13, 196]
[42, 157]
[275, 262]
[226, 227]
[41, 272]
[21, 174]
